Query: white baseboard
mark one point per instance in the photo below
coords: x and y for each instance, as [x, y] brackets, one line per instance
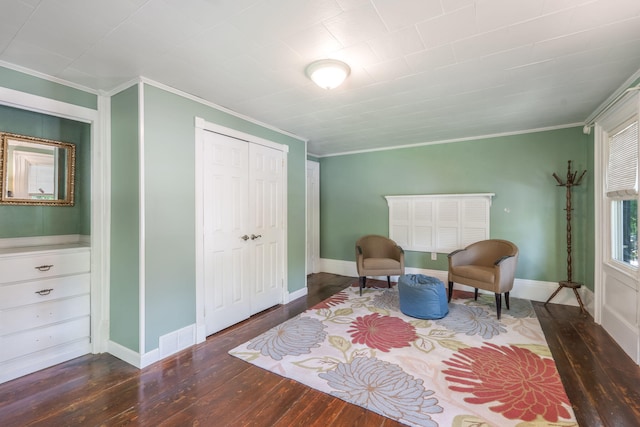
[335, 266]
[290, 296]
[175, 341]
[533, 290]
[124, 353]
[133, 357]
[149, 358]
[170, 343]
[625, 333]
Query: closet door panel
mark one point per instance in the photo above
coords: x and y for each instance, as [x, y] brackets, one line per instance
[225, 216]
[265, 196]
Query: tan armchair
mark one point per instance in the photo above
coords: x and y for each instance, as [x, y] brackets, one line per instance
[488, 265]
[378, 256]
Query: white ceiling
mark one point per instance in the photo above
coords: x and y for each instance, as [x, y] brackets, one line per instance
[422, 70]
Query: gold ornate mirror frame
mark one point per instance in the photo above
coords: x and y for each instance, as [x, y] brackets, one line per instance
[36, 171]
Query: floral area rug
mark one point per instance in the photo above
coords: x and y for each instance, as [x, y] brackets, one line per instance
[467, 369]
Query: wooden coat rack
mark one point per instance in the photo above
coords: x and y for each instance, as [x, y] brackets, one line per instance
[572, 180]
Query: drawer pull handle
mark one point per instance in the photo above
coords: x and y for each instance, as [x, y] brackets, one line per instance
[44, 267]
[44, 292]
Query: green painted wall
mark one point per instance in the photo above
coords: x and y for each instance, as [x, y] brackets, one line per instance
[125, 230]
[169, 147]
[29, 221]
[527, 209]
[16, 80]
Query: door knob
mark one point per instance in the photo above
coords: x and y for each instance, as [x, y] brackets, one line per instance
[245, 237]
[254, 237]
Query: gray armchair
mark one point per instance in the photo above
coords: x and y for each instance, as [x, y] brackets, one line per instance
[489, 265]
[378, 256]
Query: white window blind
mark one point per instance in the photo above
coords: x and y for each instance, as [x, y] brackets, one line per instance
[439, 222]
[622, 170]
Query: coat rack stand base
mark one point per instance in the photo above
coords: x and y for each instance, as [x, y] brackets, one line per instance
[572, 285]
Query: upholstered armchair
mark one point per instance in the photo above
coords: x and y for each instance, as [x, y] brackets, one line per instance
[378, 256]
[489, 265]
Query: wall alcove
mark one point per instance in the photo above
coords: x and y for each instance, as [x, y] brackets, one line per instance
[30, 221]
[61, 304]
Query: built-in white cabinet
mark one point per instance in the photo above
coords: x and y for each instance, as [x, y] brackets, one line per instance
[45, 308]
[439, 222]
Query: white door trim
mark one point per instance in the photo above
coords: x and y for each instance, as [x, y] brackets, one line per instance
[600, 215]
[313, 217]
[213, 127]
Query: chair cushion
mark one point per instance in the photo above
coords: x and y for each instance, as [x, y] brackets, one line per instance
[380, 264]
[423, 297]
[475, 272]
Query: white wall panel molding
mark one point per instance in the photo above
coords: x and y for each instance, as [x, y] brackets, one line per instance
[439, 222]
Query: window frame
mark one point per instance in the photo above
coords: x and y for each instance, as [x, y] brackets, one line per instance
[616, 120]
[617, 234]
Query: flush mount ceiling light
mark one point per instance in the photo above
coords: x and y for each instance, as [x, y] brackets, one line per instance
[328, 73]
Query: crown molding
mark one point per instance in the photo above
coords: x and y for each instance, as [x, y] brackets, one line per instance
[448, 141]
[47, 77]
[203, 101]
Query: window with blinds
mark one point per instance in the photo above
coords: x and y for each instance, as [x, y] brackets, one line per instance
[622, 168]
[622, 190]
[439, 222]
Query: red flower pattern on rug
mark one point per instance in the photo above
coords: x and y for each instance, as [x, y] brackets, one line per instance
[526, 385]
[382, 332]
[336, 299]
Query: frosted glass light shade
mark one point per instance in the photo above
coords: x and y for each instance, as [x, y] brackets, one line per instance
[328, 73]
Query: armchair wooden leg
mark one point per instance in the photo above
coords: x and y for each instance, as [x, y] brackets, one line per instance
[506, 299]
[476, 294]
[389, 281]
[498, 304]
[450, 291]
[363, 283]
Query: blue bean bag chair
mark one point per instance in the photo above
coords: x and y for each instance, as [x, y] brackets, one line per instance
[422, 296]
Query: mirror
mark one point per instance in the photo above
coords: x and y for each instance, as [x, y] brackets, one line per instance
[36, 171]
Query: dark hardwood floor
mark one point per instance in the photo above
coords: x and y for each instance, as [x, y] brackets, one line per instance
[205, 386]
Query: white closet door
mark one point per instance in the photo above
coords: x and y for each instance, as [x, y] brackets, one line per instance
[266, 225]
[227, 260]
[243, 227]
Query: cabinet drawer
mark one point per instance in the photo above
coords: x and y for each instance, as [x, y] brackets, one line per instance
[15, 268]
[38, 315]
[20, 344]
[19, 294]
